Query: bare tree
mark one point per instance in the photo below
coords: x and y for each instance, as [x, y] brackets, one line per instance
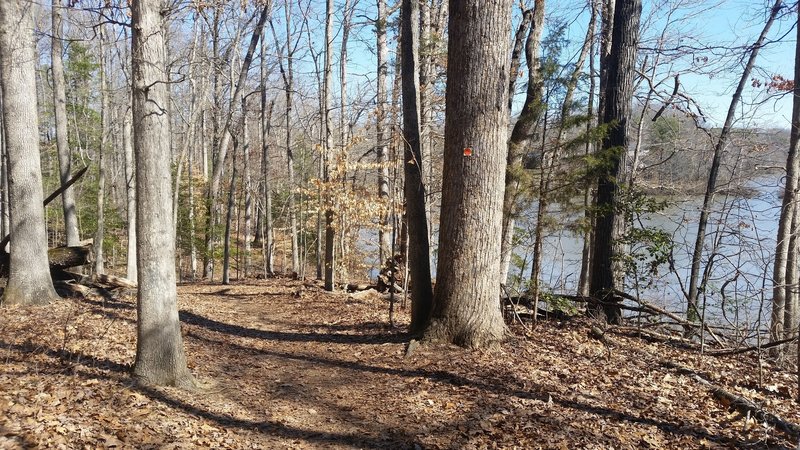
[695, 284]
[160, 358]
[62, 141]
[29, 280]
[225, 137]
[287, 73]
[466, 308]
[525, 128]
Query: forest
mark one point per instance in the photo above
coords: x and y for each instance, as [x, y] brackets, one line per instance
[425, 224]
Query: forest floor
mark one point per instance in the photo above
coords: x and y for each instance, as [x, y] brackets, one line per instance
[285, 365]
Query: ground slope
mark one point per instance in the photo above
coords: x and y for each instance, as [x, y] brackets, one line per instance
[285, 365]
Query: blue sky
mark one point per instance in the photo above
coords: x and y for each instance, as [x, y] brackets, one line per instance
[697, 23]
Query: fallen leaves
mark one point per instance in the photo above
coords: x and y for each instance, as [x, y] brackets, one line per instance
[323, 371]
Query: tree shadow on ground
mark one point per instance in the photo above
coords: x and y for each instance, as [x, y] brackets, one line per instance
[191, 318]
[117, 372]
[489, 383]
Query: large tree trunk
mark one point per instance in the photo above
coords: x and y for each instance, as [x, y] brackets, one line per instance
[419, 251]
[384, 235]
[608, 223]
[29, 280]
[62, 141]
[695, 284]
[160, 357]
[467, 310]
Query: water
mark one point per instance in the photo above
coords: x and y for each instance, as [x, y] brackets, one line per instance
[740, 245]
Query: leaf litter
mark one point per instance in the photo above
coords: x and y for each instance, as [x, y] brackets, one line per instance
[283, 364]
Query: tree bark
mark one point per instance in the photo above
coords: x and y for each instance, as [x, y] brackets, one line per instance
[160, 358]
[419, 251]
[4, 220]
[29, 280]
[608, 222]
[130, 191]
[60, 116]
[467, 310]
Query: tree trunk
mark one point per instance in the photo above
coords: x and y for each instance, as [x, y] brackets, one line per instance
[192, 226]
[507, 243]
[4, 225]
[608, 222]
[419, 251]
[226, 246]
[586, 250]
[522, 135]
[62, 140]
[695, 286]
[606, 32]
[267, 233]
[467, 309]
[29, 280]
[789, 207]
[344, 136]
[160, 358]
[287, 74]
[327, 146]
[384, 235]
[248, 190]
[99, 237]
[130, 191]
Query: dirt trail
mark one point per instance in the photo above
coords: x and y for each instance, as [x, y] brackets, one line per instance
[285, 365]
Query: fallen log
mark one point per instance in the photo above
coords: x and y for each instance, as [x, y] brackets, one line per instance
[60, 258]
[111, 280]
[737, 351]
[749, 409]
[741, 405]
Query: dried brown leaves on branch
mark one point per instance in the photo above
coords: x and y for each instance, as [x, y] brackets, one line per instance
[318, 370]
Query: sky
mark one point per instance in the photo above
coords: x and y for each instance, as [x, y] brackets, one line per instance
[707, 76]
